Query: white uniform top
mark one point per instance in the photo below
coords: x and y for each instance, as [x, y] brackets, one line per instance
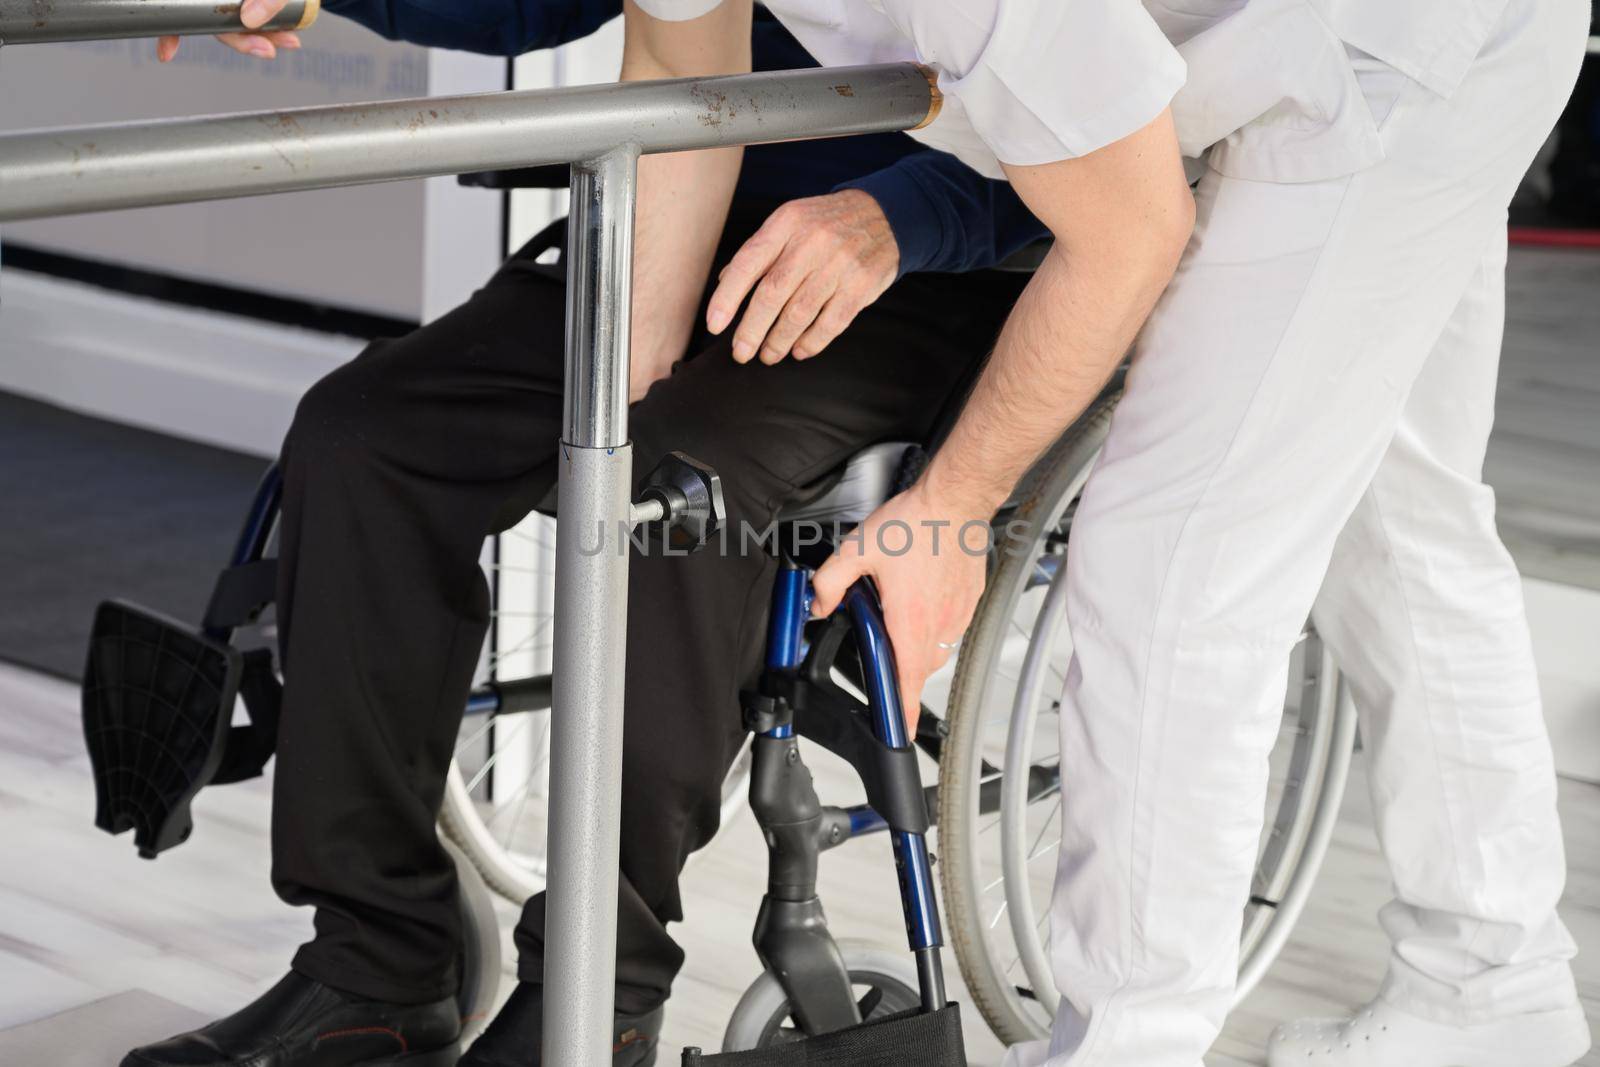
[1025, 81]
[1270, 94]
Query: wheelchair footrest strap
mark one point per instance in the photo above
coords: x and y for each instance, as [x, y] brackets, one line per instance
[927, 1040]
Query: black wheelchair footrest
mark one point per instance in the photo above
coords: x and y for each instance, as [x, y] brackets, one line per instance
[927, 1040]
[158, 700]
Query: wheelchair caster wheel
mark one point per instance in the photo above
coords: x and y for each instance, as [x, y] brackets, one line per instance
[885, 983]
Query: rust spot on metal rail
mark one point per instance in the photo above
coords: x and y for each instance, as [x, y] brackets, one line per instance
[844, 90]
[935, 97]
[715, 102]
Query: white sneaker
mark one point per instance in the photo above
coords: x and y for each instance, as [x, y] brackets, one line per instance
[1382, 1035]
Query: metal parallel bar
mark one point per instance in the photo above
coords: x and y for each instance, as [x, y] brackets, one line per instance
[54, 21]
[591, 602]
[599, 291]
[140, 164]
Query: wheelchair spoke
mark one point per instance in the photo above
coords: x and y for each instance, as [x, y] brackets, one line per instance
[499, 812]
[522, 805]
[1034, 852]
[522, 645]
[489, 763]
[488, 724]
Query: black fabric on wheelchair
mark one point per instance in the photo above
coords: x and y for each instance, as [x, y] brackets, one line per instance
[927, 1040]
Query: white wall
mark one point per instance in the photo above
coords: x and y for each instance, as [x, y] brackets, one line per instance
[409, 249]
[355, 247]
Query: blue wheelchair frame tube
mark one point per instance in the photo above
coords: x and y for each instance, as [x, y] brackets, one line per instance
[791, 607]
[883, 695]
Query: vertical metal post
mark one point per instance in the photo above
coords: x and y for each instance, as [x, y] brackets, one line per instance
[591, 603]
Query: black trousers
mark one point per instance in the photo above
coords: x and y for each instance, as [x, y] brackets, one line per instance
[396, 468]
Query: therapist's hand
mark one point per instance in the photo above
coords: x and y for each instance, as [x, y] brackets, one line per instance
[927, 553]
[262, 45]
[814, 264]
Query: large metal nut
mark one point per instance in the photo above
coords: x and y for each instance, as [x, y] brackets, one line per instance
[691, 495]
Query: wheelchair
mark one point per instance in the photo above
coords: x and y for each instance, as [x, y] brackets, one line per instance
[159, 708]
[989, 726]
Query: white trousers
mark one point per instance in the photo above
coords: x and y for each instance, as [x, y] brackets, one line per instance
[1308, 409]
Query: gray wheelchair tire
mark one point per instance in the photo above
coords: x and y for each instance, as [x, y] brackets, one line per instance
[480, 950]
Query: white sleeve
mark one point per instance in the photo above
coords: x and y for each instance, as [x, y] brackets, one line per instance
[677, 10]
[1044, 80]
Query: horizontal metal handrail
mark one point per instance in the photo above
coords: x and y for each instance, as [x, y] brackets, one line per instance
[50, 21]
[139, 164]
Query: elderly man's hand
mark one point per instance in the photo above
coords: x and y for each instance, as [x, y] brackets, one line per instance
[254, 13]
[814, 264]
[927, 554]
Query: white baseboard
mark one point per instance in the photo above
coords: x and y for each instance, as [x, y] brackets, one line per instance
[220, 379]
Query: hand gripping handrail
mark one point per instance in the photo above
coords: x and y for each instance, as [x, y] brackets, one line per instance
[601, 130]
[51, 21]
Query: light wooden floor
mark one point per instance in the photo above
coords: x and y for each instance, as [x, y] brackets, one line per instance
[1544, 457]
[82, 917]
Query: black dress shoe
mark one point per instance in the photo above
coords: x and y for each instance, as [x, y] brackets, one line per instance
[303, 1023]
[512, 1039]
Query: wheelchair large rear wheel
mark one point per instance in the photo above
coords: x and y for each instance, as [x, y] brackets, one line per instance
[480, 947]
[497, 793]
[1000, 788]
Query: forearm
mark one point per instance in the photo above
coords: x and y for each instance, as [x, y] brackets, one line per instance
[683, 196]
[1060, 345]
[1121, 218]
[682, 207]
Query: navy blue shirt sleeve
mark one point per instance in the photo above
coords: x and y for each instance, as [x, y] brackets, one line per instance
[492, 27]
[946, 216]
